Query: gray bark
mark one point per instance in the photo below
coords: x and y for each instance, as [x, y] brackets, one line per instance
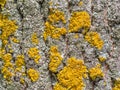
[31, 16]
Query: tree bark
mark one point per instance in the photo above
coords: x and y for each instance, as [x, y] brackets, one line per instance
[31, 16]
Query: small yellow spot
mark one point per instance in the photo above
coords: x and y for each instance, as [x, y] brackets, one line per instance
[94, 39]
[96, 72]
[79, 20]
[22, 81]
[76, 36]
[50, 3]
[15, 40]
[19, 61]
[80, 3]
[34, 38]
[2, 52]
[102, 59]
[33, 75]
[7, 57]
[34, 54]
[55, 59]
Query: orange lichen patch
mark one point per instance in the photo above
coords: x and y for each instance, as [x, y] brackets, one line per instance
[94, 39]
[101, 59]
[116, 85]
[34, 38]
[79, 20]
[33, 75]
[55, 59]
[34, 54]
[71, 77]
[2, 3]
[96, 72]
[8, 27]
[51, 30]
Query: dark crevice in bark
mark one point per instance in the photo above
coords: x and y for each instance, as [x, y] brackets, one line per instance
[15, 1]
[20, 12]
[41, 4]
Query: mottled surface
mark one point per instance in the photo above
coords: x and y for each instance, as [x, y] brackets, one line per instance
[31, 16]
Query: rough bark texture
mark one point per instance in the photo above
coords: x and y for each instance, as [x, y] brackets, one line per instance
[31, 16]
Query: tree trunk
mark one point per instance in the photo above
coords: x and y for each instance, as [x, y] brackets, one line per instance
[31, 16]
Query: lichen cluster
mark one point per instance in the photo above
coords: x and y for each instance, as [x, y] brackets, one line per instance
[14, 66]
[116, 85]
[19, 62]
[55, 59]
[15, 40]
[8, 27]
[7, 67]
[94, 39]
[19, 67]
[79, 20]
[33, 53]
[96, 72]
[50, 28]
[71, 76]
[33, 74]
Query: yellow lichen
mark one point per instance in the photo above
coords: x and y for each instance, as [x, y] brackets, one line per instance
[2, 3]
[56, 16]
[94, 39]
[80, 3]
[15, 40]
[22, 81]
[79, 20]
[71, 77]
[96, 72]
[55, 59]
[8, 27]
[7, 66]
[34, 38]
[34, 54]
[116, 85]
[7, 57]
[59, 87]
[7, 74]
[76, 36]
[50, 29]
[19, 61]
[33, 75]
[101, 59]
[2, 52]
